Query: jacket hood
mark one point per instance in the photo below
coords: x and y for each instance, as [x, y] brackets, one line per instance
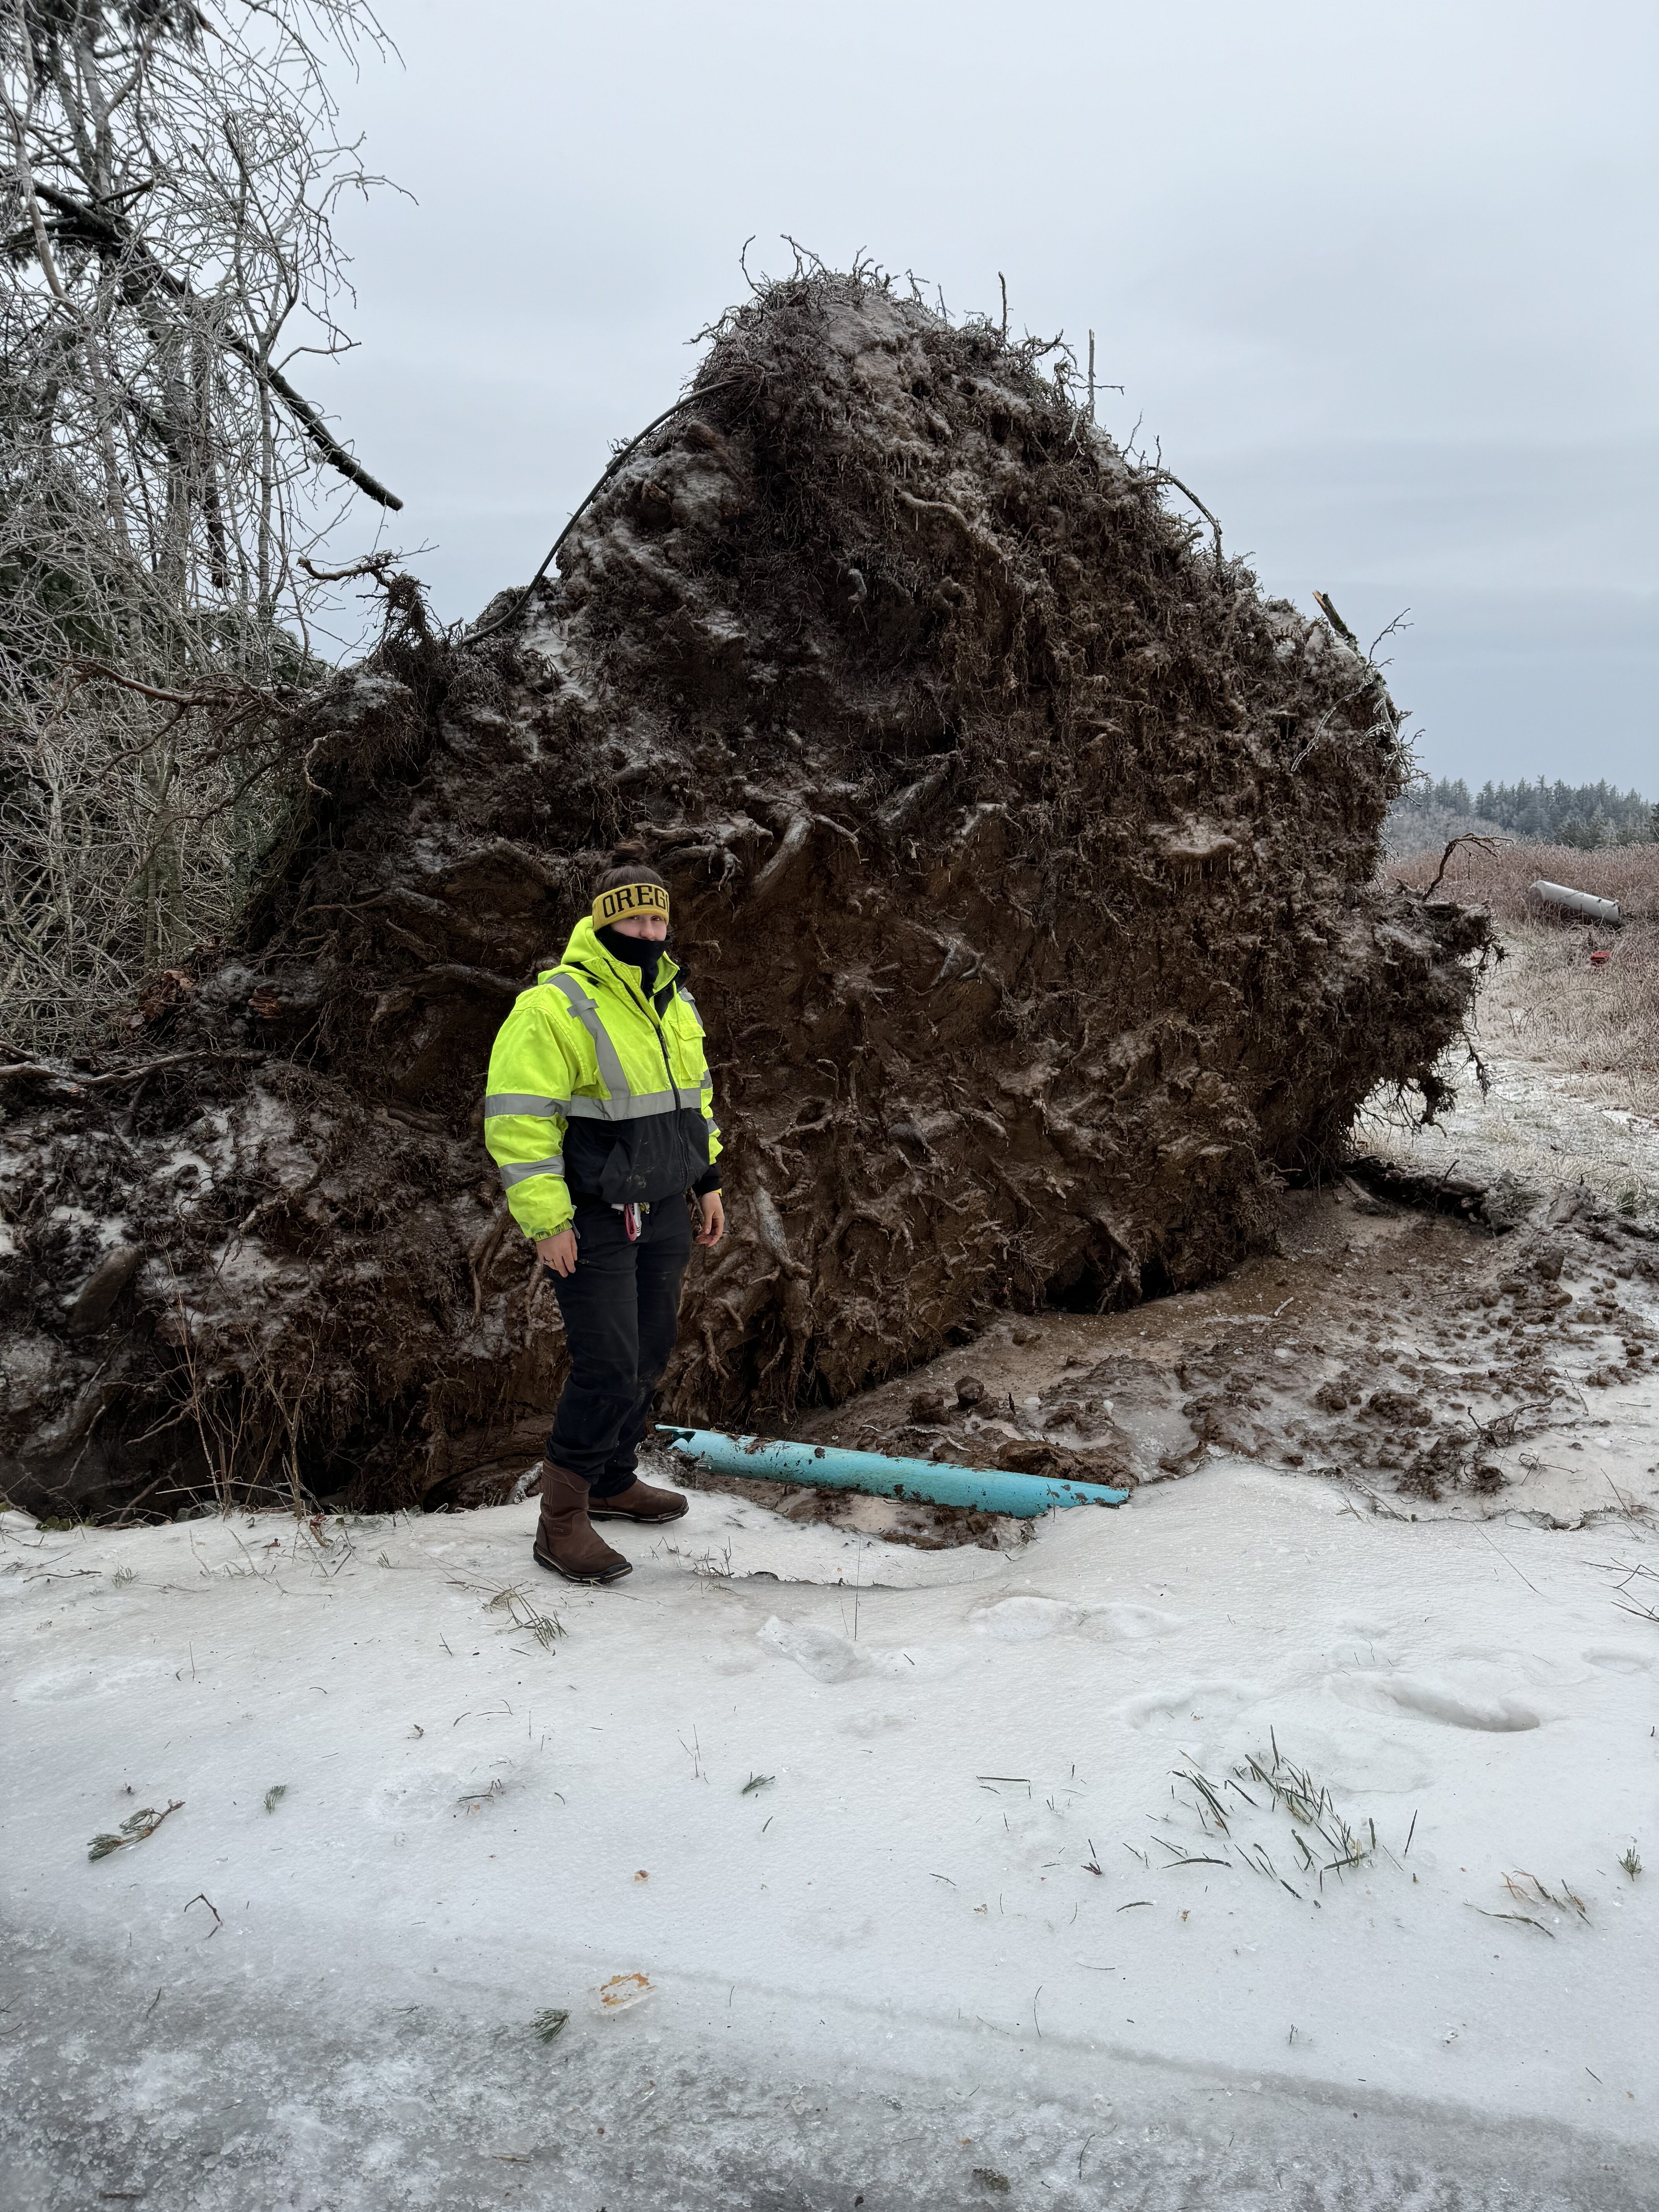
[585, 951]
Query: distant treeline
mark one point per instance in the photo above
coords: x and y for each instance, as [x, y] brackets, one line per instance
[1586, 815]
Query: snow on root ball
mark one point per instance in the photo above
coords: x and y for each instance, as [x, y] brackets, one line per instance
[1021, 854]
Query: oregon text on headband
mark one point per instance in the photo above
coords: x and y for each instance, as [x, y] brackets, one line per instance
[626, 899]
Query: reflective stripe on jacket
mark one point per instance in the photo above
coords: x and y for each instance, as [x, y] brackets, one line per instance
[596, 1085]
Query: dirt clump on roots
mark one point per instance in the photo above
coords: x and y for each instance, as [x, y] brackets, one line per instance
[1021, 854]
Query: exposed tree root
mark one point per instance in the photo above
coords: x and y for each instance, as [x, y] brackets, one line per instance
[1036, 937]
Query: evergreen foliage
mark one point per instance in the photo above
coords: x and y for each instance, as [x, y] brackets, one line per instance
[1587, 815]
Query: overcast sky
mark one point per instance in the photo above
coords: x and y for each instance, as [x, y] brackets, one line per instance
[1381, 277]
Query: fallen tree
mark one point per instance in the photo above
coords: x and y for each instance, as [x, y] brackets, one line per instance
[1022, 856]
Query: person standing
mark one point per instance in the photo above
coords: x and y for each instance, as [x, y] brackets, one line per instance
[599, 1114]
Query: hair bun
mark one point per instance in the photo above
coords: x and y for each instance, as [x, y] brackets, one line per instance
[628, 865]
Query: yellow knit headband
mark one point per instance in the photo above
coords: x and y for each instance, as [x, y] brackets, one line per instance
[629, 899]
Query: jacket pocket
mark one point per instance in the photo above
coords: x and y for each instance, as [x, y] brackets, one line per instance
[655, 1159]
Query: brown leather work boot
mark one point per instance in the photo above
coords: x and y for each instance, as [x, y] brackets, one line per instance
[565, 1544]
[639, 1502]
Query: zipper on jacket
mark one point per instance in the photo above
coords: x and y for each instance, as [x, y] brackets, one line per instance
[662, 1040]
[668, 1064]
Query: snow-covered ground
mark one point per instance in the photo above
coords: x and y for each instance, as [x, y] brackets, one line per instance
[915, 1851]
[1569, 1052]
[1539, 1122]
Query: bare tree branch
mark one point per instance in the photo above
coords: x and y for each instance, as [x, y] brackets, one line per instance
[96, 228]
[1468, 837]
[167, 183]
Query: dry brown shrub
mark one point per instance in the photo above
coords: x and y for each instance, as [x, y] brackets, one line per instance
[1548, 1000]
[1600, 1019]
[1497, 876]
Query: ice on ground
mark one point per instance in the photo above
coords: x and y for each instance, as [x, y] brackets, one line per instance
[1223, 1850]
[1540, 1121]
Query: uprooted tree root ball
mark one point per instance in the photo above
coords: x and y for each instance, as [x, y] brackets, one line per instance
[1021, 857]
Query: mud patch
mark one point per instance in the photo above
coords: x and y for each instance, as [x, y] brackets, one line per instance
[1421, 1362]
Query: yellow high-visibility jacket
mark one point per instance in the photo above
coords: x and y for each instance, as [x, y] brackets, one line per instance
[597, 1089]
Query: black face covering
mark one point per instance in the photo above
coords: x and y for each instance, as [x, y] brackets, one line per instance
[639, 952]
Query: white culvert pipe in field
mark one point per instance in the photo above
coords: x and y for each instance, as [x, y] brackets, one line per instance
[1584, 903]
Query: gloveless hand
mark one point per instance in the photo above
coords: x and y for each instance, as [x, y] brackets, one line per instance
[558, 1252]
[713, 1213]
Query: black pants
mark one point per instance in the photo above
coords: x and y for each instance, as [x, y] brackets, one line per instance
[621, 1311]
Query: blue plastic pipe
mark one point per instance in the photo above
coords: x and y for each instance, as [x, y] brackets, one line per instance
[986, 1490]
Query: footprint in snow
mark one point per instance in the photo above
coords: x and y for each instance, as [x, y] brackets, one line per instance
[1465, 1704]
[1026, 1620]
[826, 1657]
[1030, 1619]
[819, 1652]
[1618, 1659]
[1186, 1701]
